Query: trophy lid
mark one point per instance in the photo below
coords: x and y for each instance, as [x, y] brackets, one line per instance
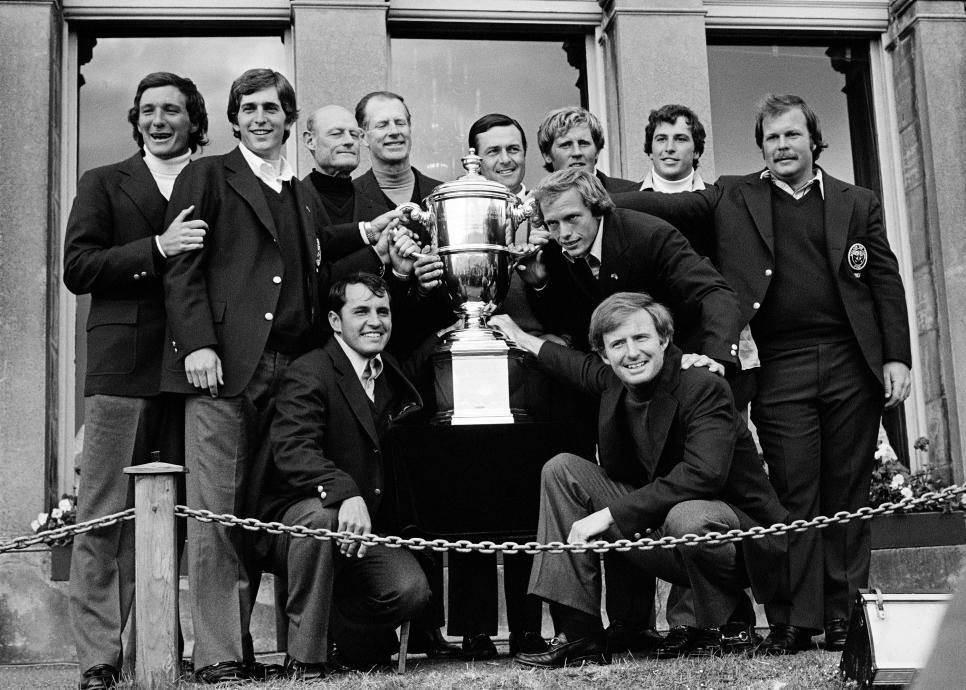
[471, 184]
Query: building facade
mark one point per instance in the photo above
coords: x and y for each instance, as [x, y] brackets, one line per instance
[885, 76]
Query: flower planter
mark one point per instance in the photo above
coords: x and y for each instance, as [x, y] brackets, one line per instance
[60, 561]
[902, 530]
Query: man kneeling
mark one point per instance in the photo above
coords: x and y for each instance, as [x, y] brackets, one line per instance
[675, 459]
[327, 470]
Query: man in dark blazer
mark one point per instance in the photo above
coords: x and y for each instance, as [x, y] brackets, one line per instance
[327, 470]
[573, 137]
[238, 312]
[810, 261]
[115, 250]
[675, 459]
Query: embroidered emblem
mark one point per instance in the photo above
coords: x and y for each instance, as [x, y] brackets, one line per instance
[613, 276]
[318, 254]
[858, 256]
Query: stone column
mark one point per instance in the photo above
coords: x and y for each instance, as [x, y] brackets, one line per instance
[655, 53]
[341, 54]
[929, 68]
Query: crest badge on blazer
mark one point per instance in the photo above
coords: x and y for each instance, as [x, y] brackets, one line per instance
[858, 258]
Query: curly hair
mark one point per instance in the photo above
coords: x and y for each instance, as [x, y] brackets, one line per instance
[194, 102]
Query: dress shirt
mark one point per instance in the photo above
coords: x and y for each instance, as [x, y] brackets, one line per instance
[272, 173]
[367, 369]
[801, 191]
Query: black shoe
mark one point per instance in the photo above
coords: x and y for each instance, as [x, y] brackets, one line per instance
[477, 648]
[222, 672]
[739, 638]
[527, 642]
[99, 677]
[259, 671]
[785, 639]
[624, 637]
[431, 643]
[836, 630]
[705, 642]
[676, 643]
[563, 652]
[300, 670]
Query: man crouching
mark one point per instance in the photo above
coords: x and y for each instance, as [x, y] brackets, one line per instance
[675, 459]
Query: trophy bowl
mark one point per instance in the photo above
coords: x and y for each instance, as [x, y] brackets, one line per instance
[472, 222]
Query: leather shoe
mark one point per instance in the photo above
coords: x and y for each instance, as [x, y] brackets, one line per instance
[623, 637]
[564, 652]
[739, 638]
[99, 677]
[705, 642]
[676, 643]
[222, 672]
[477, 648]
[431, 643]
[785, 639]
[301, 670]
[527, 642]
[836, 630]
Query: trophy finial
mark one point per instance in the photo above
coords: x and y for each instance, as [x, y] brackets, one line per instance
[471, 163]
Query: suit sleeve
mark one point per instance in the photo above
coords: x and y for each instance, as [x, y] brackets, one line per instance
[185, 287]
[298, 433]
[585, 372]
[707, 412]
[551, 303]
[93, 263]
[692, 213]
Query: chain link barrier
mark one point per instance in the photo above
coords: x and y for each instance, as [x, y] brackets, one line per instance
[935, 499]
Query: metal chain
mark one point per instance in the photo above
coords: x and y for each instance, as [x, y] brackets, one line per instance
[55, 535]
[465, 546]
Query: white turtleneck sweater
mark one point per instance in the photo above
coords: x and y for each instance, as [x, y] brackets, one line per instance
[686, 184]
[166, 171]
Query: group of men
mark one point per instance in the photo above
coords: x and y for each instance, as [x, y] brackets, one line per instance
[265, 331]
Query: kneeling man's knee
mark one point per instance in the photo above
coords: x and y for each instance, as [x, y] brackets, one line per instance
[560, 465]
[695, 517]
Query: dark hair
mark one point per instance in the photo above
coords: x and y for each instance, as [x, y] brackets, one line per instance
[560, 121]
[255, 80]
[386, 95]
[773, 105]
[376, 285]
[669, 114]
[488, 122]
[194, 102]
[591, 191]
[614, 311]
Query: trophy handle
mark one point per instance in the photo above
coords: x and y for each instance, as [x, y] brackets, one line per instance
[523, 210]
[412, 211]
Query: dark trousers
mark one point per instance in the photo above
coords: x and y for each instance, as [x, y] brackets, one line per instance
[119, 432]
[817, 410]
[473, 596]
[572, 488]
[220, 444]
[364, 599]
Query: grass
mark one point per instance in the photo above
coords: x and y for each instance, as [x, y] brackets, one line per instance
[813, 670]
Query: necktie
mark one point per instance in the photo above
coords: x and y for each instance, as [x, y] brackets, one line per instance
[369, 381]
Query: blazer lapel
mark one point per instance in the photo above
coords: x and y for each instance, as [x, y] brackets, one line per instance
[660, 416]
[613, 247]
[757, 195]
[838, 214]
[141, 187]
[351, 389]
[243, 181]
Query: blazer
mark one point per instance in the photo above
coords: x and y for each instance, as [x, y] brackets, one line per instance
[640, 252]
[109, 253]
[224, 295]
[700, 449]
[735, 216]
[323, 435]
[615, 185]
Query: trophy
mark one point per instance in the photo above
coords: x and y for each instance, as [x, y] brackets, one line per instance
[472, 223]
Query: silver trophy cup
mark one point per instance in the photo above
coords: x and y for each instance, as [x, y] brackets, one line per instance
[472, 222]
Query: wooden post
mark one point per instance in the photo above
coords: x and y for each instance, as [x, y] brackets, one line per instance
[156, 574]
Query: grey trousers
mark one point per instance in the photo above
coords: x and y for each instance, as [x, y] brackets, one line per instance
[572, 488]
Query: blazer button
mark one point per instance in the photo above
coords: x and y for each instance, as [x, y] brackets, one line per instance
[137, 276]
[768, 271]
[277, 279]
[378, 492]
[144, 274]
[322, 495]
[269, 315]
[756, 305]
[637, 535]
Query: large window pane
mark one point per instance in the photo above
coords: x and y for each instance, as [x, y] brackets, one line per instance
[449, 83]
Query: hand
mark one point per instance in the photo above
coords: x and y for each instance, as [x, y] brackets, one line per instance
[354, 517]
[382, 247]
[539, 235]
[183, 235]
[203, 369]
[429, 271]
[380, 223]
[589, 527]
[511, 330]
[898, 382]
[533, 270]
[561, 340]
[696, 360]
[402, 250]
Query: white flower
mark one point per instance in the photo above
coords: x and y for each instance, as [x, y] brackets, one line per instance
[42, 518]
[65, 505]
[885, 451]
[56, 513]
[35, 525]
[897, 481]
[906, 492]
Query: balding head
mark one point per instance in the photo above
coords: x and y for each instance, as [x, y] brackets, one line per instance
[334, 138]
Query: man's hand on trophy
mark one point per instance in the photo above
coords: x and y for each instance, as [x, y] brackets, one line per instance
[387, 219]
[403, 251]
[511, 330]
[429, 271]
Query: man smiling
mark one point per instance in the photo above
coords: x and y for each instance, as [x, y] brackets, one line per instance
[674, 141]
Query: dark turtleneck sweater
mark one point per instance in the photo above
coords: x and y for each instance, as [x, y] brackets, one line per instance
[338, 196]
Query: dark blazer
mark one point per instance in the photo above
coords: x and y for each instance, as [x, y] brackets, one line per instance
[222, 296]
[643, 253]
[323, 433]
[736, 215]
[109, 252]
[371, 201]
[700, 449]
[615, 185]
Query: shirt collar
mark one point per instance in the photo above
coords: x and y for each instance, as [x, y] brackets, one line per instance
[359, 362]
[692, 183]
[272, 173]
[817, 180]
